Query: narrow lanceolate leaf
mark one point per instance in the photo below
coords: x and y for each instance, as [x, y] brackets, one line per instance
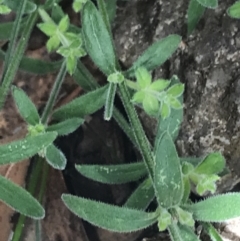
[113, 174]
[19, 150]
[142, 196]
[55, 157]
[97, 40]
[173, 122]
[110, 101]
[208, 3]
[212, 232]
[217, 208]
[35, 66]
[66, 127]
[194, 14]
[6, 28]
[111, 6]
[83, 105]
[25, 106]
[156, 54]
[113, 218]
[14, 5]
[19, 199]
[168, 176]
[234, 10]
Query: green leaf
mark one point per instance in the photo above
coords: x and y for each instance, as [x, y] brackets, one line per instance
[97, 40]
[113, 218]
[108, 111]
[214, 163]
[176, 90]
[165, 110]
[66, 127]
[173, 122]
[48, 28]
[164, 220]
[71, 64]
[208, 3]
[156, 54]
[57, 13]
[184, 217]
[168, 176]
[53, 43]
[25, 106]
[151, 105]
[4, 9]
[113, 174]
[83, 105]
[20, 200]
[143, 77]
[64, 24]
[111, 6]
[159, 85]
[175, 103]
[142, 196]
[35, 66]
[14, 5]
[139, 96]
[216, 208]
[195, 161]
[187, 233]
[194, 14]
[6, 29]
[212, 232]
[19, 150]
[234, 10]
[55, 157]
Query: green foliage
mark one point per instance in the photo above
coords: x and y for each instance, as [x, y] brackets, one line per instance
[217, 208]
[168, 176]
[19, 150]
[156, 54]
[162, 175]
[153, 96]
[113, 174]
[114, 218]
[234, 10]
[25, 106]
[88, 106]
[97, 40]
[26, 204]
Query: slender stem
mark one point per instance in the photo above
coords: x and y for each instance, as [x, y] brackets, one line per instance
[14, 35]
[32, 185]
[141, 139]
[43, 184]
[54, 93]
[13, 65]
[84, 74]
[110, 101]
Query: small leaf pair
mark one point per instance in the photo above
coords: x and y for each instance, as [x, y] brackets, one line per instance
[151, 95]
[204, 175]
[30, 114]
[77, 5]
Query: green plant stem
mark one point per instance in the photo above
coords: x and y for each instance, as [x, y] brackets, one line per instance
[141, 139]
[91, 82]
[32, 185]
[14, 35]
[54, 93]
[13, 65]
